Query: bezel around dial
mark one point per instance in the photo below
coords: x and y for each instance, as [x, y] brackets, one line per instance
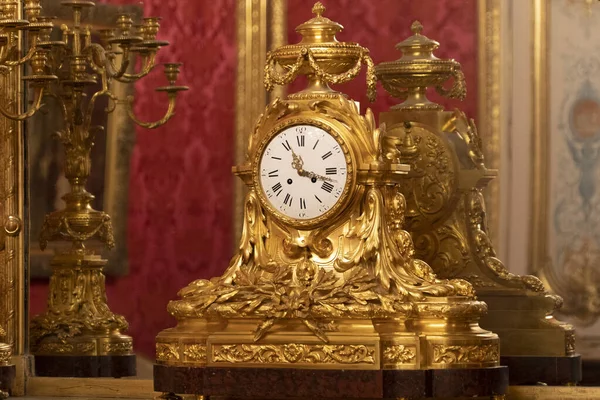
[346, 195]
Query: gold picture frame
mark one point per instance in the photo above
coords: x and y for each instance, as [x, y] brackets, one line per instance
[110, 158]
[489, 103]
[13, 250]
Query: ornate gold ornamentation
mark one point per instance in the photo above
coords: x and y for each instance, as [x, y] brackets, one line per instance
[292, 354]
[167, 352]
[570, 342]
[195, 352]
[409, 77]
[64, 70]
[484, 252]
[5, 354]
[320, 57]
[446, 213]
[349, 277]
[444, 354]
[55, 348]
[383, 246]
[399, 354]
[119, 348]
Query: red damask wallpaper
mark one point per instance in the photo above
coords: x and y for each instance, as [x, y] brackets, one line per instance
[181, 186]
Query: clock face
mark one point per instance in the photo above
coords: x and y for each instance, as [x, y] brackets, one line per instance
[303, 172]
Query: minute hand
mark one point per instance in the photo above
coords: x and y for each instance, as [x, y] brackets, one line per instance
[313, 175]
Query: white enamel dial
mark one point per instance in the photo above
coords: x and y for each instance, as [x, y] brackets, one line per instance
[303, 172]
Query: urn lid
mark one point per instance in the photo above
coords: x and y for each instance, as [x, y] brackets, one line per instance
[417, 46]
[409, 77]
[318, 29]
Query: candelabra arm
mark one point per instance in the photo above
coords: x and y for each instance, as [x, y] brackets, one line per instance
[32, 49]
[149, 64]
[120, 71]
[5, 53]
[92, 104]
[152, 125]
[37, 104]
[103, 62]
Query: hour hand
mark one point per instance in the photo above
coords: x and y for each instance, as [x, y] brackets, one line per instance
[297, 163]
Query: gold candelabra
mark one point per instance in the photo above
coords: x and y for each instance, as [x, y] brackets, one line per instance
[78, 321]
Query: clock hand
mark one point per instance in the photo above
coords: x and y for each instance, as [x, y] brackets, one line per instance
[297, 163]
[316, 176]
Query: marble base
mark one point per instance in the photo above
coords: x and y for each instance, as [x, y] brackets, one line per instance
[277, 383]
[553, 371]
[85, 366]
[590, 372]
[7, 377]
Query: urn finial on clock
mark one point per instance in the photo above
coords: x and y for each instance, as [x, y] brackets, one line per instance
[409, 77]
[321, 58]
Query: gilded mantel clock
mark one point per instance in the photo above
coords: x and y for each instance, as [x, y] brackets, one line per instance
[324, 285]
[446, 214]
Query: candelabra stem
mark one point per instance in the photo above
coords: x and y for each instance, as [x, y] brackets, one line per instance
[152, 125]
[32, 50]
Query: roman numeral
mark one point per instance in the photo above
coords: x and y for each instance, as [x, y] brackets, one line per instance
[276, 158]
[302, 204]
[326, 155]
[274, 174]
[318, 199]
[276, 188]
[287, 146]
[329, 171]
[287, 199]
[300, 140]
[317, 142]
[328, 187]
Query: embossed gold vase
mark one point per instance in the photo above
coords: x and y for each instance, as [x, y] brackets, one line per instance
[341, 296]
[446, 213]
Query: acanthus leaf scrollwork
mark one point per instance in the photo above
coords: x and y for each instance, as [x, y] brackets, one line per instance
[484, 251]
